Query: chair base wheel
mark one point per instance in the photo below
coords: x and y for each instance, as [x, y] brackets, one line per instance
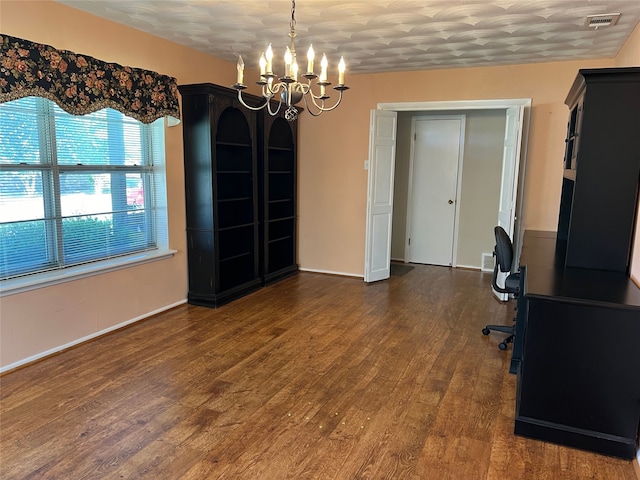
[486, 331]
[502, 346]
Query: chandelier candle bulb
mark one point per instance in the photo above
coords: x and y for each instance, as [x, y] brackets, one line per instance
[310, 57]
[341, 68]
[269, 57]
[324, 63]
[294, 69]
[263, 65]
[240, 68]
[287, 63]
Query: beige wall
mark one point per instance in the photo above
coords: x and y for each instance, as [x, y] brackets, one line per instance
[332, 180]
[333, 183]
[481, 183]
[480, 186]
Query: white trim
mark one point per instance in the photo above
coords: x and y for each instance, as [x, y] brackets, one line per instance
[496, 104]
[73, 343]
[471, 267]
[456, 104]
[331, 272]
[55, 277]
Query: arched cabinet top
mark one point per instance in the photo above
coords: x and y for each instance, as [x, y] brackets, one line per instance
[280, 135]
[233, 127]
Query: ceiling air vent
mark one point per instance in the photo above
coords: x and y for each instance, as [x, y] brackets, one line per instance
[602, 20]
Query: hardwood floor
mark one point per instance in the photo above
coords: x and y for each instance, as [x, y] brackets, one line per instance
[316, 377]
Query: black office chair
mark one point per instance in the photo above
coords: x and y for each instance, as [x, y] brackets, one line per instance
[503, 253]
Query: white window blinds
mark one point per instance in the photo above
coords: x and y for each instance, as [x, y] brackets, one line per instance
[76, 189]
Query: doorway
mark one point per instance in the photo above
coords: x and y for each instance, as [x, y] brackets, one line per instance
[434, 188]
[508, 212]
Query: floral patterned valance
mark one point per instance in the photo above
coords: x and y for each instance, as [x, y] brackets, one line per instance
[81, 84]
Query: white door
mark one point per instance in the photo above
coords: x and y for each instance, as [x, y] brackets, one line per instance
[509, 186]
[382, 156]
[433, 191]
[510, 163]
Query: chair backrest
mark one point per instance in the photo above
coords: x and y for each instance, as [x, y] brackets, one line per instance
[504, 249]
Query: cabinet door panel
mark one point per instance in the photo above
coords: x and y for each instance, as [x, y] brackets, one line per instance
[200, 244]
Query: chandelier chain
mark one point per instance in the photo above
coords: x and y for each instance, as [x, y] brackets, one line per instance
[293, 16]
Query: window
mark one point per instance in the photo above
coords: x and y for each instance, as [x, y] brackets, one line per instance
[77, 189]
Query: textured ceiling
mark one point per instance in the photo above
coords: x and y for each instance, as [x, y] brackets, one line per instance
[383, 35]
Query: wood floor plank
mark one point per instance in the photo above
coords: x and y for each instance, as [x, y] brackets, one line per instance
[314, 377]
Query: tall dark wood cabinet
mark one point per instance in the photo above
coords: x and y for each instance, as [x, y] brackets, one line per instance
[601, 169]
[279, 198]
[576, 346]
[240, 194]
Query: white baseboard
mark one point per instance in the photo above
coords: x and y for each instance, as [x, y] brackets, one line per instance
[331, 272]
[470, 267]
[73, 343]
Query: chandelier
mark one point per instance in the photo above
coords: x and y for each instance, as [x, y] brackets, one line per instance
[290, 90]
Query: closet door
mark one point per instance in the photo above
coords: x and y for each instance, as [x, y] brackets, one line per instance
[279, 199]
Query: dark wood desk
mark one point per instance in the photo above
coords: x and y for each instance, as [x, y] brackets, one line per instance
[576, 353]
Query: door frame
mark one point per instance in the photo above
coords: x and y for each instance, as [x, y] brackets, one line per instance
[495, 104]
[456, 215]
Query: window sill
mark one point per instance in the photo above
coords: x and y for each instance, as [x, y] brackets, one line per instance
[40, 280]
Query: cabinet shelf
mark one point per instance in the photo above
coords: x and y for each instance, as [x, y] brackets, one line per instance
[279, 239]
[243, 225]
[569, 173]
[234, 257]
[233, 144]
[231, 200]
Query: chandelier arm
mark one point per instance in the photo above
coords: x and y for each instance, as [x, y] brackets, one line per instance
[310, 91]
[305, 88]
[255, 109]
[272, 113]
[272, 89]
[321, 108]
[336, 105]
[306, 104]
[309, 110]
